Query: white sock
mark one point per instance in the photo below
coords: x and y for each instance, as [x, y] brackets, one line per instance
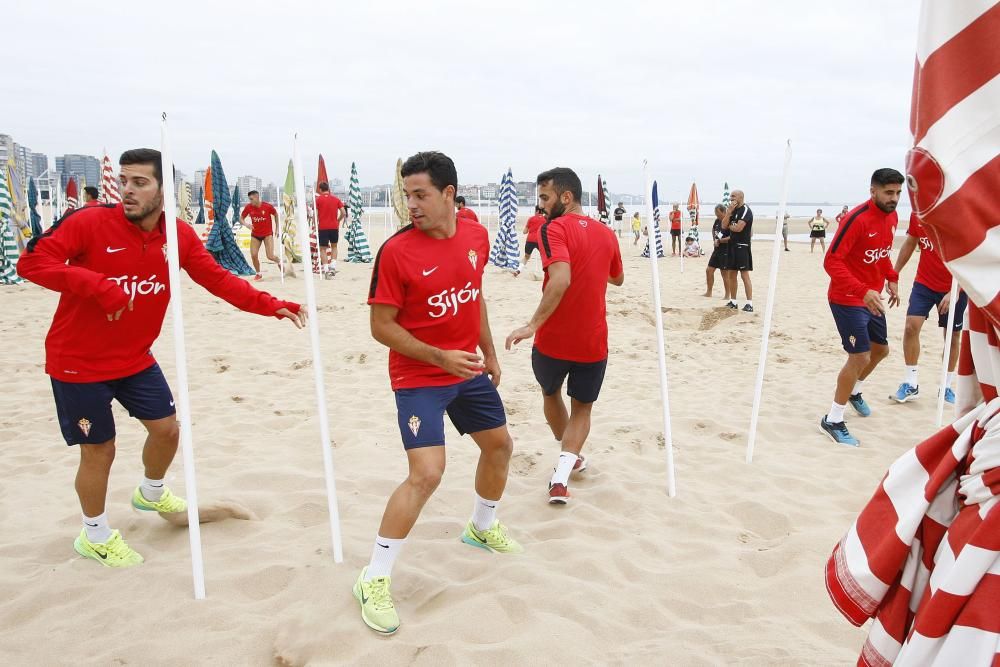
[911, 376]
[950, 379]
[151, 489]
[858, 387]
[333, 264]
[836, 413]
[97, 527]
[750, 303]
[484, 513]
[563, 468]
[384, 553]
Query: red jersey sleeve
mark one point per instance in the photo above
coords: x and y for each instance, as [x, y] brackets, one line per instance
[835, 261]
[913, 229]
[616, 262]
[387, 286]
[205, 271]
[44, 263]
[271, 210]
[245, 212]
[553, 237]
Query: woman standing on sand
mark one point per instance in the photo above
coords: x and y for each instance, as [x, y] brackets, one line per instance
[817, 230]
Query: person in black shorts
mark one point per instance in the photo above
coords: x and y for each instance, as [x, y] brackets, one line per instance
[739, 221]
[720, 255]
[619, 214]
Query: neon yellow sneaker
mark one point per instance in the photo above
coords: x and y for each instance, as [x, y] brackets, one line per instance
[494, 538]
[113, 553]
[168, 502]
[377, 609]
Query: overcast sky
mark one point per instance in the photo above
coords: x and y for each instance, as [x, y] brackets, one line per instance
[705, 90]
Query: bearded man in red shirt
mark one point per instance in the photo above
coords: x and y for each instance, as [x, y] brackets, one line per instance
[109, 263]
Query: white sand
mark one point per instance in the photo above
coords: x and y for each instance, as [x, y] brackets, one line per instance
[730, 571]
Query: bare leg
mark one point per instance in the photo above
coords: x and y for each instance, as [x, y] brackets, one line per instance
[406, 502]
[161, 445]
[555, 413]
[92, 476]
[878, 353]
[495, 448]
[578, 428]
[747, 285]
[911, 340]
[849, 375]
[709, 280]
[254, 254]
[269, 249]
[956, 346]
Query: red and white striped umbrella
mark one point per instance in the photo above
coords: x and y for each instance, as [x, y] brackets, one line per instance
[923, 557]
[109, 184]
[72, 195]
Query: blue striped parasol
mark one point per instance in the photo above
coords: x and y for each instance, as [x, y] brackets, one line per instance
[656, 226]
[505, 253]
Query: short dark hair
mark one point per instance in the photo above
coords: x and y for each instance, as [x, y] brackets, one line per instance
[324, 186]
[92, 191]
[460, 200]
[438, 166]
[144, 156]
[720, 207]
[252, 193]
[887, 176]
[563, 179]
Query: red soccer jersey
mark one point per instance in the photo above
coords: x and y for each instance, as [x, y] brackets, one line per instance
[931, 271]
[859, 257]
[92, 203]
[436, 284]
[110, 262]
[260, 218]
[675, 219]
[535, 223]
[467, 213]
[327, 207]
[578, 329]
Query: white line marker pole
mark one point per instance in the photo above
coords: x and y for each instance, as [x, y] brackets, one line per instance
[949, 332]
[324, 422]
[180, 352]
[668, 438]
[772, 285]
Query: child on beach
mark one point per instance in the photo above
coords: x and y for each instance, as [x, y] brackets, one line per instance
[636, 228]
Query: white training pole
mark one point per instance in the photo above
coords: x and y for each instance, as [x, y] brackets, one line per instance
[180, 352]
[949, 332]
[668, 437]
[280, 235]
[772, 284]
[324, 424]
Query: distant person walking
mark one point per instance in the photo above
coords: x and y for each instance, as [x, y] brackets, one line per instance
[675, 230]
[619, 214]
[636, 228]
[464, 211]
[531, 228]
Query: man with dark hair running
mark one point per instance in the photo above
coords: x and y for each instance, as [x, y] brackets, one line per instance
[580, 257]
[860, 266]
[109, 263]
[91, 196]
[428, 308]
[330, 212]
[263, 221]
[531, 228]
[464, 211]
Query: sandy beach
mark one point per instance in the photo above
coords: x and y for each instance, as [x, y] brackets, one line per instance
[728, 572]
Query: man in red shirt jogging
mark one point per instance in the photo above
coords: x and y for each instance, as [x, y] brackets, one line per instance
[580, 257]
[531, 228]
[427, 307]
[931, 291]
[859, 267]
[91, 196]
[675, 230]
[109, 264]
[263, 220]
[464, 211]
[330, 213]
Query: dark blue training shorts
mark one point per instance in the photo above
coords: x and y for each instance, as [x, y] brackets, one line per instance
[472, 405]
[859, 328]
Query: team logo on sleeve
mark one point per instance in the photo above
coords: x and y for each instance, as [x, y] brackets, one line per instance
[84, 425]
[852, 340]
[414, 425]
[473, 259]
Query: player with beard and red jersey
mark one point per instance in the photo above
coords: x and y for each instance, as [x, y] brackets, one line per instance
[931, 290]
[427, 307]
[859, 267]
[109, 263]
[263, 220]
[580, 257]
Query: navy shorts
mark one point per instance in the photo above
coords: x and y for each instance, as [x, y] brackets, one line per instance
[923, 299]
[585, 379]
[859, 328]
[328, 236]
[84, 409]
[529, 247]
[472, 405]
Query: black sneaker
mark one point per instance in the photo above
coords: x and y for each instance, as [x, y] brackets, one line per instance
[732, 305]
[748, 308]
[838, 432]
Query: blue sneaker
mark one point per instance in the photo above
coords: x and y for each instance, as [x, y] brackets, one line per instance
[838, 432]
[906, 392]
[859, 405]
[949, 395]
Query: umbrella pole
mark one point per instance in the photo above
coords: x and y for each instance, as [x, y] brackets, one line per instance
[949, 332]
[660, 351]
[180, 353]
[324, 425]
[772, 285]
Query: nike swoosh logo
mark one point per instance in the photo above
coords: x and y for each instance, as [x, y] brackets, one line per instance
[103, 556]
[428, 272]
[92, 525]
[490, 506]
[111, 250]
[873, 235]
[384, 546]
[171, 404]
